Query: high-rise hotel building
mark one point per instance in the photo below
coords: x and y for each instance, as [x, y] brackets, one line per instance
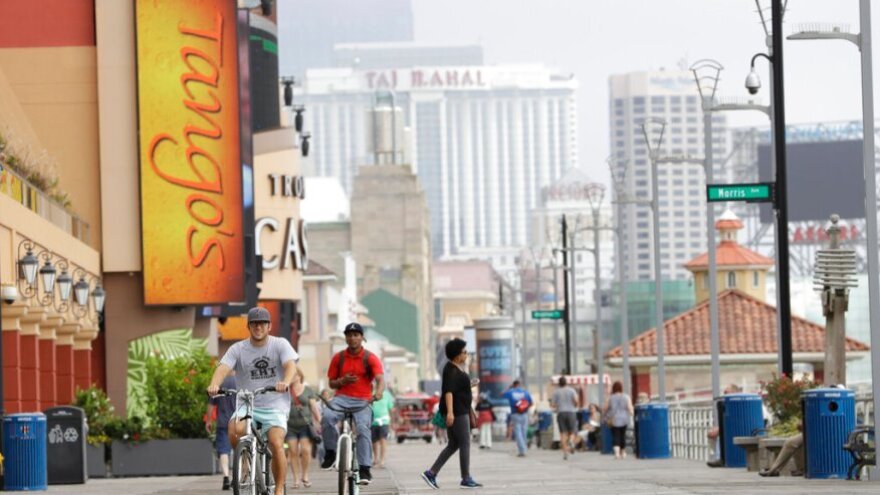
[483, 140]
[673, 97]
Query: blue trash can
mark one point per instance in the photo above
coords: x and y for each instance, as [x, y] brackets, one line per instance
[829, 416]
[652, 431]
[583, 416]
[24, 450]
[741, 415]
[607, 440]
[545, 420]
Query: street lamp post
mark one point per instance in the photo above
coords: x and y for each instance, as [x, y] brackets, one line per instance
[707, 97]
[863, 43]
[653, 153]
[622, 199]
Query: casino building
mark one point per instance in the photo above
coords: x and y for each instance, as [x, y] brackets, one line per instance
[149, 190]
[484, 140]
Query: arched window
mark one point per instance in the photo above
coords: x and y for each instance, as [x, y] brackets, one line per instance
[731, 280]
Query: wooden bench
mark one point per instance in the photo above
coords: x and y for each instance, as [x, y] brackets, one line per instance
[750, 445]
[769, 448]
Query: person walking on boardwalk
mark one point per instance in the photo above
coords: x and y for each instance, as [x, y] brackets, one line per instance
[223, 407]
[382, 412]
[303, 425]
[455, 405]
[564, 402]
[485, 419]
[618, 413]
[520, 402]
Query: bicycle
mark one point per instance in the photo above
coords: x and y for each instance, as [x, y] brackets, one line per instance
[346, 458]
[252, 459]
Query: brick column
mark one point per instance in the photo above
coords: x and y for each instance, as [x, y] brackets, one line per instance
[30, 358]
[64, 362]
[11, 334]
[82, 357]
[48, 395]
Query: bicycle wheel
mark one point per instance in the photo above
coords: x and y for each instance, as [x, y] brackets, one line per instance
[243, 470]
[344, 463]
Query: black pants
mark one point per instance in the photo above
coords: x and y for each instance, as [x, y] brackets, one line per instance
[618, 433]
[460, 440]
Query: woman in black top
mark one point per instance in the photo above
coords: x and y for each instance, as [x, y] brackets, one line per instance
[455, 406]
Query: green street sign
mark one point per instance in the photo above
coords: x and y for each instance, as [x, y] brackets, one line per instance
[551, 314]
[750, 193]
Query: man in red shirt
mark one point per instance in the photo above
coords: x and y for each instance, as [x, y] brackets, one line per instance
[351, 374]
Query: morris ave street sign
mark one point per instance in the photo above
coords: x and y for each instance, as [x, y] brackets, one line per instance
[551, 314]
[750, 193]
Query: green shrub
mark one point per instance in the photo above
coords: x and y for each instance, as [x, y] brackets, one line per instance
[174, 396]
[99, 413]
[783, 396]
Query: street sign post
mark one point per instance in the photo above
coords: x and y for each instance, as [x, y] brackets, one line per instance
[762, 192]
[550, 314]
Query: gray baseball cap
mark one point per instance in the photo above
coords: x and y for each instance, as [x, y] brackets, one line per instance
[259, 314]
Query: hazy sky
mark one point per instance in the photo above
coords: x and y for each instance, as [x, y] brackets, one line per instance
[596, 38]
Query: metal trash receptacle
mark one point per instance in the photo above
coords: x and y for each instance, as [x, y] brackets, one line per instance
[24, 450]
[829, 416]
[652, 430]
[545, 420]
[740, 415]
[607, 439]
[66, 445]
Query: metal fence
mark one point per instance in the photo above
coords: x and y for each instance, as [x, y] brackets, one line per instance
[688, 427]
[689, 424]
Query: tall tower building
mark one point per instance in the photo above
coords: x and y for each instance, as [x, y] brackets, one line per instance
[673, 97]
[391, 244]
[484, 141]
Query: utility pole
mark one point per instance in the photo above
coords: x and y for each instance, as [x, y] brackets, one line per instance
[574, 300]
[539, 342]
[784, 289]
[565, 275]
[556, 360]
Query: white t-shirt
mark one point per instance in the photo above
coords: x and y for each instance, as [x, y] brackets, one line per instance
[257, 367]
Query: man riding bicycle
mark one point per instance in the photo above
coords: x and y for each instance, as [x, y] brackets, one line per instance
[260, 361]
[351, 374]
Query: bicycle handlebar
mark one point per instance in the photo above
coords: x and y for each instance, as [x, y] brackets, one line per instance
[231, 391]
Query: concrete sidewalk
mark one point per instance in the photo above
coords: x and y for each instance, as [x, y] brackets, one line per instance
[544, 471]
[502, 473]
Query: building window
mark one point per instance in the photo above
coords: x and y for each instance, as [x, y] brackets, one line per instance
[756, 279]
[704, 278]
[731, 280]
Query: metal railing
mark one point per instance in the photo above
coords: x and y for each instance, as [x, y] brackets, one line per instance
[688, 429]
[689, 424]
[32, 198]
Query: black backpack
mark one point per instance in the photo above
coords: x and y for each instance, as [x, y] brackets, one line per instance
[341, 361]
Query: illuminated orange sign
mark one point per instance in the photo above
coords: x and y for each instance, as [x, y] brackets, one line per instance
[190, 159]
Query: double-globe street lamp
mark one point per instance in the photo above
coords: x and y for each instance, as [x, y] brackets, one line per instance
[863, 43]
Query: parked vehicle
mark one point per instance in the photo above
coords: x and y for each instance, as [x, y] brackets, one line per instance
[413, 419]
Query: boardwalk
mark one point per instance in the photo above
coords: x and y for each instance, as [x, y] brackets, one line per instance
[504, 473]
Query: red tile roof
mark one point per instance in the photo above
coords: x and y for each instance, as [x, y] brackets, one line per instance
[730, 253]
[745, 324]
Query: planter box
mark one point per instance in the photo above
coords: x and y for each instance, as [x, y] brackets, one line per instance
[162, 457]
[96, 461]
